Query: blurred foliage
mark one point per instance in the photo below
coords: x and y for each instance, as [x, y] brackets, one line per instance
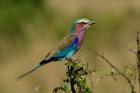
[14, 14]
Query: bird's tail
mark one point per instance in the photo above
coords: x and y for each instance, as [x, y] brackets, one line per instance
[27, 73]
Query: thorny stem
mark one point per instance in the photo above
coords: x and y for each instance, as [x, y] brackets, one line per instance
[119, 72]
[138, 57]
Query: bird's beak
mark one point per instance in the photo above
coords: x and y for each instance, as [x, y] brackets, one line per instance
[88, 25]
[91, 23]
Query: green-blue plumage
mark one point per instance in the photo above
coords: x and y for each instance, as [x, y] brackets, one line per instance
[68, 46]
[71, 47]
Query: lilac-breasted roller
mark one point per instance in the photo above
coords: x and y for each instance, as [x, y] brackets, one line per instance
[67, 47]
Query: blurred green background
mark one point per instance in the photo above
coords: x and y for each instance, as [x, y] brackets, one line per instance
[30, 28]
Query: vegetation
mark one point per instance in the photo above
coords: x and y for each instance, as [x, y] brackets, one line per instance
[76, 80]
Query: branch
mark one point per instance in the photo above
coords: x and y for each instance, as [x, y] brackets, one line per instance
[71, 77]
[119, 72]
[131, 50]
[138, 57]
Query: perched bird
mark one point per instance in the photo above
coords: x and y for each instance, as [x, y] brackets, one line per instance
[67, 47]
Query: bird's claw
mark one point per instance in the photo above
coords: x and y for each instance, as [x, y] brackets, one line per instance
[73, 59]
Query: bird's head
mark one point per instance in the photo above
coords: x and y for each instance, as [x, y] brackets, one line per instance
[81, 25]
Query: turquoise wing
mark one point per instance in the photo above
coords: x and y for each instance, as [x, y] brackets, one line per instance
[69, 50]
[65, 48]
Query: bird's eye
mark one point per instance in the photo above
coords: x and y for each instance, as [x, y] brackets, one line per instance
[83, 23]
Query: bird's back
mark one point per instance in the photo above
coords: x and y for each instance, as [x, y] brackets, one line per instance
[63, 49]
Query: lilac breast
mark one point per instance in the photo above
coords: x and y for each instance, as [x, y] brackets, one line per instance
[80, 38]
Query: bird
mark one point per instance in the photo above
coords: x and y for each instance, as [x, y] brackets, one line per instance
[67, 47]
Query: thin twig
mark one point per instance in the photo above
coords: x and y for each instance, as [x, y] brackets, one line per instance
[119, 72]
[131, 50]
[138, 57]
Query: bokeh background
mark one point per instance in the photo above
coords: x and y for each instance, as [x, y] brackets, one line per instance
[30, 28]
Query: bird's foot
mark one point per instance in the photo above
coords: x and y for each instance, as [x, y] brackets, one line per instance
[73, 59]
[69, 59]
